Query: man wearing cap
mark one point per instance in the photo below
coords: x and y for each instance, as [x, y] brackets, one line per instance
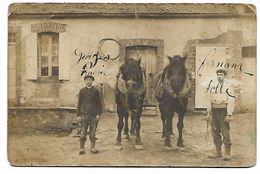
[220, 109]
[89, 109]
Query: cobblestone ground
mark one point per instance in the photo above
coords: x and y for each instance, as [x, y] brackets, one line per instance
[39, 149]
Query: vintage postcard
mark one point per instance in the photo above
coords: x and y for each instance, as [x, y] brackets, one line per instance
[162, 85]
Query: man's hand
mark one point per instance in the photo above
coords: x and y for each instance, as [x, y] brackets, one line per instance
[79, 119]
[228, 118]
[97, 117]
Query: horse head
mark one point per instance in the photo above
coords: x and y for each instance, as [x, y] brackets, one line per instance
[175, 73]
[132, 75]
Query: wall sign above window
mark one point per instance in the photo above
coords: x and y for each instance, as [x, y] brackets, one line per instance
[48, 27]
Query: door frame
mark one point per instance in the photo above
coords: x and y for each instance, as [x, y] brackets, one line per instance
[158, 43]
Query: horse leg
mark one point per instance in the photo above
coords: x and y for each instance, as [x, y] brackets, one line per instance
[120, 126]
[163, 118]
[171, 131]
[180, 126]
[168, 131]
[126, 129]
[138, 142]
[132, 130]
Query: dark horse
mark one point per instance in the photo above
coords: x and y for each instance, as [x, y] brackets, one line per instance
[172, 89]
[130, 93]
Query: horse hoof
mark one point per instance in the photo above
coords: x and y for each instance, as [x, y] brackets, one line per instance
[125, 136]
[139, 147]
[118, 147]
[163, 139]
[168, 147]
[94, 150]
[180, 145]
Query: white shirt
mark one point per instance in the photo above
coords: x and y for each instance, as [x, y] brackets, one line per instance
[220, 94]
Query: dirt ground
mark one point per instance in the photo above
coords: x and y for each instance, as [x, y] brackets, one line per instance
[37, 149]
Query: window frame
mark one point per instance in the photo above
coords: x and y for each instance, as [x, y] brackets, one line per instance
[11, 38]
[50, 54]
[248, 51]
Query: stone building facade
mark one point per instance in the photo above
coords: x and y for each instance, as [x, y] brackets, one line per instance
[49, 45]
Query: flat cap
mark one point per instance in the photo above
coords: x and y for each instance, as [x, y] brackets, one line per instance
[221, 71]
[89, 76]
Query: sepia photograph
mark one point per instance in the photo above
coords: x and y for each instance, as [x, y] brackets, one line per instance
[132, 84]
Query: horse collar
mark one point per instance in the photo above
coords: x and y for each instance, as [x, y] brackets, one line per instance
[121, 85]
[184, 91]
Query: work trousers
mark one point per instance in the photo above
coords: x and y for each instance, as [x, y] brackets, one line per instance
[220, 128]
[86, 122]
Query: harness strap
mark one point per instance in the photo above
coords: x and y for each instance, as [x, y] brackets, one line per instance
[164, 84]
[120, 84]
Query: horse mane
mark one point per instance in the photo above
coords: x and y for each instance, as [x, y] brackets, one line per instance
[123, 66]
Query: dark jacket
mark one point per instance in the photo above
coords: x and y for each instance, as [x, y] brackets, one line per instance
[89, 102]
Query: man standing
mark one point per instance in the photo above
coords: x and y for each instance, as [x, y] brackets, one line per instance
[89, 110]
[220, 109]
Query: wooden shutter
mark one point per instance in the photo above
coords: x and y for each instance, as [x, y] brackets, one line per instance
[31, 56]
[64, 56]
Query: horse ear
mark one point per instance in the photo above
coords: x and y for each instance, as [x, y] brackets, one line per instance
[139, 61]
[121, 68]
[170, 58]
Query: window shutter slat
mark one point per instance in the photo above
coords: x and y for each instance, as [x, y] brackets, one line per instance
[64, 56]
[31, 56]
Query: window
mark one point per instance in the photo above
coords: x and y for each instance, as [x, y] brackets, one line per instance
[48, 54]
[249, 51]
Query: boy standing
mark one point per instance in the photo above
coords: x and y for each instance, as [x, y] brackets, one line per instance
[89, 110]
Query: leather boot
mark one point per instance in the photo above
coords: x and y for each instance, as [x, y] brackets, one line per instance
[217, 154]
[93, 149]
[82, 144]
[227, 156]
[82, 151]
